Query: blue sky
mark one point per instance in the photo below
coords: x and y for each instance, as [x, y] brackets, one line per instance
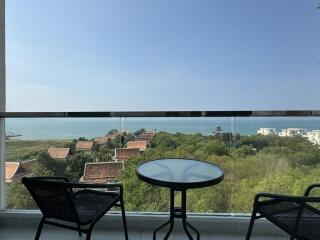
[106, 55]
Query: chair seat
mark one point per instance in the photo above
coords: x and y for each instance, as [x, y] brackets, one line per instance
[91, 204]
[285, 213]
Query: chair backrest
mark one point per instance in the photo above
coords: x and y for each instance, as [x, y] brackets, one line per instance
[53, 197]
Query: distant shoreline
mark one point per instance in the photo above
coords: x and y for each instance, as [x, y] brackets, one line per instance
[61, 129]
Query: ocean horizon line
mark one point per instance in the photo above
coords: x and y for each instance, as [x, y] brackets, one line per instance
[50, 129]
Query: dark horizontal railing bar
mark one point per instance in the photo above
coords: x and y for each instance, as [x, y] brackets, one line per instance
[288, 113]
[127, 114]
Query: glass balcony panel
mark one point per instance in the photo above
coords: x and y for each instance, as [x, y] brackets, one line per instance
[283, 157]
[36, 146]
[196, 138]
[56, 147]
[275, 154]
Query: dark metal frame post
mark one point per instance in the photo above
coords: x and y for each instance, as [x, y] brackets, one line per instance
[177, 212]
[2, 105]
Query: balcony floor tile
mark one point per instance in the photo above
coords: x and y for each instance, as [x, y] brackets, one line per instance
[52, 233]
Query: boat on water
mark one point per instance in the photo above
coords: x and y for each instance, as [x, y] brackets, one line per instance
[12, 134]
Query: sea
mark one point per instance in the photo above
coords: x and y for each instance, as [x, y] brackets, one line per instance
[70, 128]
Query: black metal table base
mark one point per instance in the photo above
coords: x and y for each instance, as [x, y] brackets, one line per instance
[176, 212]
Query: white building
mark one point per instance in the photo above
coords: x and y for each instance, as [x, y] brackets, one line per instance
[292, 132]
[267, 131]
[314, 136]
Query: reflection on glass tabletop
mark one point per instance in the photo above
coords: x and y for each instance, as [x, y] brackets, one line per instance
[180, 172]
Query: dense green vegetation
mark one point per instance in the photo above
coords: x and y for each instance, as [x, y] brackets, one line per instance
[19, 150]
[251, 163]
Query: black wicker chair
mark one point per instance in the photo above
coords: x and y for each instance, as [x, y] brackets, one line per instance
[296, 215]
[75, 206]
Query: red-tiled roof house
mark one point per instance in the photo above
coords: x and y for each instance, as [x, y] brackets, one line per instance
[58, 153]
[14, 171]
[84, 146]
[102, 172]
[122, 154]
[142, 145]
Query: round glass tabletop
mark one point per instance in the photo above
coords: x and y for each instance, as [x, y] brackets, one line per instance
[180, 173]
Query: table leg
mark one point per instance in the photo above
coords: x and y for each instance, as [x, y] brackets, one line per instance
[184, 217]
[178, 213]
[194, 229]
[172, 213]
[170, 221]
[161, 226]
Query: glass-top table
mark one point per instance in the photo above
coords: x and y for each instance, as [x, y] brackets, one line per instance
[179, 175]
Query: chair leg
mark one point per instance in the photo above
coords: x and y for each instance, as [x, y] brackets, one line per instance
[124, 222]
[296, 223]
[89, 232]
[88, 235]
[39, 228]
[253, 216]
[79, 232]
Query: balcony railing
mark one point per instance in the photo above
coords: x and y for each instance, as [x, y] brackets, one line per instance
[70, 143]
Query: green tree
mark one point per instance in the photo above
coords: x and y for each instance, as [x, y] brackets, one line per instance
[46, 163]
[140, 132]
[103, 154]
[74, 166]
[18, 197]
[113, 131]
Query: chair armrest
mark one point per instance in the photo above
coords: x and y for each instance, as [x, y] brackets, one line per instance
[95, 192]
[290, 198]
[310, 188]
[94, 185]
[47, 178]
